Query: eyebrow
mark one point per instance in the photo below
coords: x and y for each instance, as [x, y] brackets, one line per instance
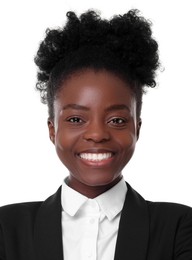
[75, 106]
[117, 107]
[108, 109]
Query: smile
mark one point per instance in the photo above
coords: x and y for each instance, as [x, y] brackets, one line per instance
[95, 156]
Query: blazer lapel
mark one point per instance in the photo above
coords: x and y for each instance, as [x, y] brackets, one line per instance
[48, 233]
[133, 235]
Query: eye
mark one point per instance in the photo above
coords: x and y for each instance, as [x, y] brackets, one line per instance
[118, 121]
[75, 120]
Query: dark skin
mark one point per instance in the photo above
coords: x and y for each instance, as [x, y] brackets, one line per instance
[94, 130]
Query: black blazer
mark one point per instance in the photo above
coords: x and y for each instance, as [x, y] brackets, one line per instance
[147, 230]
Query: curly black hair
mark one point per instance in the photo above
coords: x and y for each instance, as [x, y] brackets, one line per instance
[122, 45]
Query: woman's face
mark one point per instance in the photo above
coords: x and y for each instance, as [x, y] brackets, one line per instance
[94, 129]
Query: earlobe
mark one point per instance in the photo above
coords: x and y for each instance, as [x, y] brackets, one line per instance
[139, 123]
[51, 130]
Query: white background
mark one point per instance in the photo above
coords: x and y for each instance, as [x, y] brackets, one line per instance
[161, 168]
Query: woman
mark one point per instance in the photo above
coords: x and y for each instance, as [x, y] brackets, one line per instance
[92, 75]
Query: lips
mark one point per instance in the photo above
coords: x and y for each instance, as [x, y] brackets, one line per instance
[99, 157]
[95, 156]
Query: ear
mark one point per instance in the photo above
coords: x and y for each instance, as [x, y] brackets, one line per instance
[139, 123]
[51, 127]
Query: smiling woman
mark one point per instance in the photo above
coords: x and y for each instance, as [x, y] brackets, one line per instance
[94, 129]
[92, 75]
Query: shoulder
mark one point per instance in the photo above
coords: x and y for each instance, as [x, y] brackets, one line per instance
[173, 223]
[19, 212]
[165, 209]
[158, 209]
[166, 216]
[27, 212]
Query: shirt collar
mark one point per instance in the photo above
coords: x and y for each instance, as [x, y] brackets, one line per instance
[110, 202]
[71, 200]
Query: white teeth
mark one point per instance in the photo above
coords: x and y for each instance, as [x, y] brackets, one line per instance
[95, 156]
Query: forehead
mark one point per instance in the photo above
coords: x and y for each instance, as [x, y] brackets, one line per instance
[94, 88]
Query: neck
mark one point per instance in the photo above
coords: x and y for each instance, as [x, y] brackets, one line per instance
[90, 191]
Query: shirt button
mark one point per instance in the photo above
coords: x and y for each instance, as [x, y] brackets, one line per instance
[93, 206]
[92, 221]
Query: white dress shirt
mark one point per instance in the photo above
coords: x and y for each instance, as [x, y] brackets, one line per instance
[90, 226]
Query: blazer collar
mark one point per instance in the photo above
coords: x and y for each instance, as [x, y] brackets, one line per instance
[133, 235]
[48, 232]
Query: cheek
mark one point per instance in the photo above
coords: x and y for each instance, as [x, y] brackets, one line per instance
[64, 150]
[66, 142]
[127, 147]
[126, 140]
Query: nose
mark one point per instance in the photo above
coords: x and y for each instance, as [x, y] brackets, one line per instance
[96, 132]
